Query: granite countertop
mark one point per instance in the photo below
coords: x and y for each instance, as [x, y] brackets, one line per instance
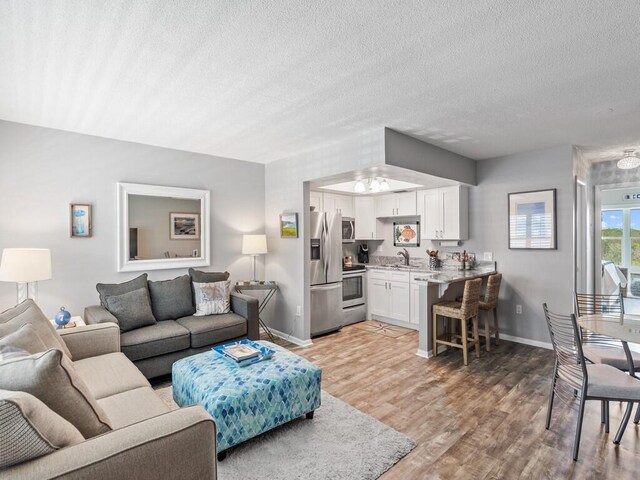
[443, 275]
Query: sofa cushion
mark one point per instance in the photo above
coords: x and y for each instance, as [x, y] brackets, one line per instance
[163, 337]
[207, 277]
[132, 309]
[28, 312]
[109, 374]
[105, 289]
[29, 429]
[212, 298]
[214, 328]
[171, 299]
[133, 406]
[25, 338]
[50, 377]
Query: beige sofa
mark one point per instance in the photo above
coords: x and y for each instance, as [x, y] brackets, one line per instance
[144, 439]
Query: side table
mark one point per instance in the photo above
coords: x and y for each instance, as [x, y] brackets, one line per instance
[271, 288]
[79, 322]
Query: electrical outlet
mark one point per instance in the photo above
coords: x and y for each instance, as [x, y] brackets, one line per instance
[519, 309]
[298, 311]
[488, 256]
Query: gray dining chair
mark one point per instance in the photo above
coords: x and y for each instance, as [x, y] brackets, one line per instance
[589, 381]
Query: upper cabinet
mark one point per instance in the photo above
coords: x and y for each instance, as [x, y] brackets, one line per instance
[445, 213]
[342, 204]
[396, 205]
[365, 215]
[315, 200]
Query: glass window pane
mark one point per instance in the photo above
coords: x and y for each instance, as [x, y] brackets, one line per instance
[635, 252]
[612, 223]
[634, 216]
[612, 250]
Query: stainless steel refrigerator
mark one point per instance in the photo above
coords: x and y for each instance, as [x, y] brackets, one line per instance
[326, 272]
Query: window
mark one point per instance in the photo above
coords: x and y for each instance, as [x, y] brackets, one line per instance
[612, 222]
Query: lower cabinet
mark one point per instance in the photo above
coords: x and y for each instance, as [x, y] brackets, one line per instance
[389, 295]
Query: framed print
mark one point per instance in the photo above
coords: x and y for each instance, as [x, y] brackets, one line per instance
[289, 225]
[80, 220]
[532, 220]
[184, 226]
[406, 234]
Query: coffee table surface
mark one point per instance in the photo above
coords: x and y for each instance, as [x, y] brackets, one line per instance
[247, 401]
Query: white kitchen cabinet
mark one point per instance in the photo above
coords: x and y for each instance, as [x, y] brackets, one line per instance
[388, 295]
[399, 301]
[342, 204]
[444, 213]
[315, 200]
[377, 301]
[396, 205]
[365, 216]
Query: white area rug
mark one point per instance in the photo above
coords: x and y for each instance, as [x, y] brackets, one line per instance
[339, 443]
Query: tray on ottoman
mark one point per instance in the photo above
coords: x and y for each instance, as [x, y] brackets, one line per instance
[247, 401]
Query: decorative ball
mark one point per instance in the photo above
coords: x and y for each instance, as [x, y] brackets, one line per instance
[62, 317]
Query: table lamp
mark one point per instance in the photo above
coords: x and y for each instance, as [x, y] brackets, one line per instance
[254, 245]
[25, 266]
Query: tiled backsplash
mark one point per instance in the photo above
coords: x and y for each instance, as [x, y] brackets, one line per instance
[446, 263]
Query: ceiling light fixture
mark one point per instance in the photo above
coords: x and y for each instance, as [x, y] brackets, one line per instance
[629, 160]
[359, 187]
[374, 185]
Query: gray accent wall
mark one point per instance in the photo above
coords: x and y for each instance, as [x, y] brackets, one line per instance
[530, 277]
[43, 170]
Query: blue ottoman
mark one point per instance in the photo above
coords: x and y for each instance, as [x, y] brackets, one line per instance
[247, 401]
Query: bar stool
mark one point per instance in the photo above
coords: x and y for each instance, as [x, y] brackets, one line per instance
[489, 304]
[463, 311]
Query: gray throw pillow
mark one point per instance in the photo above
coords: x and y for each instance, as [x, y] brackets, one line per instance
[171, 299]
[29, 429]
[28, 312]
[208, 277]
[51, 377]
[106, 289]
[132, 309]
[25, 338]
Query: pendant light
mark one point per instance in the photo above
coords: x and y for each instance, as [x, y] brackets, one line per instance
[384, 186]
[629, 160]
[374, 185]
[359, 187]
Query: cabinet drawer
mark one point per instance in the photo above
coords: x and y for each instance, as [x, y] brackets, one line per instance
[378, 274]
[399, 277]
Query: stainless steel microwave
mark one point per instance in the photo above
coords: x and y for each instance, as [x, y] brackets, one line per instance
[348, 230]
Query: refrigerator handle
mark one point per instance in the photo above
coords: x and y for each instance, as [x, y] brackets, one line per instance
[326, 254]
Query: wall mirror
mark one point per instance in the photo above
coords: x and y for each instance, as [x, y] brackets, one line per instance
[162, 227]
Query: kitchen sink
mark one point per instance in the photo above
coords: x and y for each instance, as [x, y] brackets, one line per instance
[395, 265]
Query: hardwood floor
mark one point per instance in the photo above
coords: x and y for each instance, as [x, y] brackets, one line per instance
[484, 421]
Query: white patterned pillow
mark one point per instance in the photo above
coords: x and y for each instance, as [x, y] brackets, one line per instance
[212, 298]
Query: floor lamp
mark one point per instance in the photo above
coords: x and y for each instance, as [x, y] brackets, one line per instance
[254, 245]
[25, 266]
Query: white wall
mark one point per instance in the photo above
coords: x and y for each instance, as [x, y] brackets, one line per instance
[43, 170]
[530, 277]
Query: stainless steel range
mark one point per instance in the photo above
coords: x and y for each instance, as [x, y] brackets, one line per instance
[354, 294]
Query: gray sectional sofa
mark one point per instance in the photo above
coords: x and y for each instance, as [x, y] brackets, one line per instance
[173, 332]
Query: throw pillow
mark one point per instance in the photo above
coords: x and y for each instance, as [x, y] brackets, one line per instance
[171, 299]
[28, 429]
[132, 309]
[25, 338]
[212, 298]
[106, 289]
[7, 352]
[198, 276]
[50, 377]
[28, 312]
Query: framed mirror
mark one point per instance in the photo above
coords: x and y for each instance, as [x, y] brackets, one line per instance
[162, 227]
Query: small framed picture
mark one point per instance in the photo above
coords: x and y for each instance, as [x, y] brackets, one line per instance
[184, 226]
[80, 220]
[532, 220]
[406, 234]
[289, 225]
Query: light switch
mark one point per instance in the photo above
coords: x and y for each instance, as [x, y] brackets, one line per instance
[488, 256]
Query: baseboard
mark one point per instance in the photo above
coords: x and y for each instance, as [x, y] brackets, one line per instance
[291, 338]
[526, 341]
[423, 353]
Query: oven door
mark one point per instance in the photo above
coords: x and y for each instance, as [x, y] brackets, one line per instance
[353, 289]
[348, 230]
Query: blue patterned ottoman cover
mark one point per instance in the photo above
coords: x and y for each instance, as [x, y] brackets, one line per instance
[247, 401]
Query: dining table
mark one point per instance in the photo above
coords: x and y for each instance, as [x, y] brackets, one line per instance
[626, 328]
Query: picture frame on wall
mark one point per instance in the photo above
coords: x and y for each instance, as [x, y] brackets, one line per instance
[406, 234]
[184, 226]
[80, 220]
[532, 220]
[289, 225]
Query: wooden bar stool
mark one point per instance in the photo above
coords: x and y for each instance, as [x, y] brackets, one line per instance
[463, 311]
[489, 304]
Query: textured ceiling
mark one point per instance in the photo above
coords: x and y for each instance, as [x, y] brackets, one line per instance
[261, 80]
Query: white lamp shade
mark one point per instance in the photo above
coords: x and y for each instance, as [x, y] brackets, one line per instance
[25, 264]
[254, 244]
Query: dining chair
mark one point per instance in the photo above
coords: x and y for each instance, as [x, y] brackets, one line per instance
[464, 311]
[590, 381]
[489, 304]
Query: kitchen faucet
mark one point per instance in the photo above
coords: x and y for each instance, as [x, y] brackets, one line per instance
[405, 254]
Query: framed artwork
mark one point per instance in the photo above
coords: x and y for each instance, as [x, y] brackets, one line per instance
[532, 220]
[184, 226]
[289, 225]
[80, 220]
[406, 234]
